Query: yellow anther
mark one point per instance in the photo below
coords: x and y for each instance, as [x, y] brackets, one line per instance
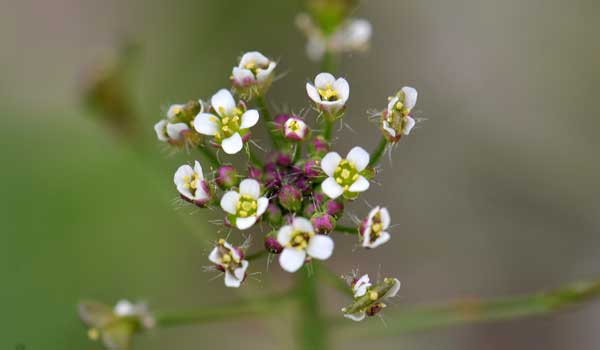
[328, 93]
[177, 110]
[225, 120]
[298, 239]
[339, 180]
[303, 244]
[221, 241]
[250, 65]
[93, 334]
[186, 178]
[254, 205]
[235, 119]
[376, 227]
[243, 213]
[355, 177]
[187, 185]
[226, 258]
[399, 105]
[226, 128]
[346, 188]
[247, 205]
[221, 110]
[373, 295]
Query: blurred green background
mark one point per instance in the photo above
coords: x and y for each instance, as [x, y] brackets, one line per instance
[495, 194]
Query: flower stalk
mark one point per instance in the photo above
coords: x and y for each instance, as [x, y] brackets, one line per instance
[378, 151]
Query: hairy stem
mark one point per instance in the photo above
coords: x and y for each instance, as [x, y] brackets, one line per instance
[473, 310]
[349, 230]
[298, 152]
[227, 312]
[254, 158]
[378, 151]
[210, 156]
[268, 119]
[257, 255]
[312, 334]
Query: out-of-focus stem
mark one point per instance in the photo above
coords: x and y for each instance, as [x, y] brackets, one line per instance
[346, 229]
[298, 152]
[210, 156]
[227, 312]
[378, 151]
[255, 256]
[312, 329]
[267, 119]
[474, 310]
[254, 158]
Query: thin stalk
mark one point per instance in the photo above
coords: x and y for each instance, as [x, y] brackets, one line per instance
[254, 158]
[349, 230]
[255, 256]
[298, 152]
[466, 311]
[378, 151]
[227, 312]
[313, 330]
[267, 118]
[327, 129]
[210, 156]
[328, 65]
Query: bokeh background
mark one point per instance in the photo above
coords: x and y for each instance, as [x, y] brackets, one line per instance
[496, 193]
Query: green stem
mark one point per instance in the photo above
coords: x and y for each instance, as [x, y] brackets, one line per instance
[378, 151]
[327, 129]
[312, 328]
[254, 158]
[267, 118]
[235, 310]
[255, 256]
[328, 65]
[453, 313]
[210, 156]
[346, 229]
[298, 152]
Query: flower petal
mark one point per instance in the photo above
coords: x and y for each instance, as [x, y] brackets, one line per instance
[331, 188]
[388, 129]
[206, 124]
[292, 259]
[242, 76]
[253, 57]
[223, 102]
[385, 218]
[324, 79]
[360, 185]
[360, 287]
[160, 129]
[392, 104]
[320, 247]
[264, 74]
[343, 89]
[410, 97]
[284, 235]
[245, 223]
[313, 93]
[249, 119]
[214, 256]
[182, 171]
[174, 130]
[359, 157]
[233, 144]
[359, 316]
[250, 187]
[383, 238]
[173, 110]
[408, 125]
[330, 162]
[231, 281]
[240, 272]
[229, 202]
[394, 290]
[302, 224]
[262, 203]
[198, 170]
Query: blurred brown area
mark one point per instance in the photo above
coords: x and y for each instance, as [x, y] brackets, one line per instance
[495, 193]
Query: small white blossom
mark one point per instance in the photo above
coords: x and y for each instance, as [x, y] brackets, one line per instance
[397, 120]
[245, 206]
[230, 260]
[373, 229]
[345, 175]
[254, 69]
[299, 241]
[191, 184]
[369, 299]
[175, 110]
[295, 129]
[229, 124]
[176, 129]
[125, 308]
[328, 93]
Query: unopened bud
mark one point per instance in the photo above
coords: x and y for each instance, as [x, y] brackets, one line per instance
[334, 208]
[318, 146]
[323, 223]
[311, 169]
[273, 214]
[272, 245]
[227, 177]
[290, 198]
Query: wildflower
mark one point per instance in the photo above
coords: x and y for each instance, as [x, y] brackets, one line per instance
[300, 241]
[176, 129]
[329, 94]
[245, 206]
[191, 184]
[368, 298]
[318, 146]
[253, 75]
[227, 177]
[115, 326]
[396, 120]
[230, 260]
[295, 129]
[372, 229]
[345, 176]
[229, 124]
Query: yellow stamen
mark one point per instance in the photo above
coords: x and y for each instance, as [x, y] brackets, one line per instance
[373, 295]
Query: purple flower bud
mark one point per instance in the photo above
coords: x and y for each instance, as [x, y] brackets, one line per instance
[334, 208]
[363, 227]
[290, 198]
[311, 169]
[283, 159]
[273, 214]
[279, 121]
[323, 223]
[254, 173]
[303, 184]
[272, 245]
[319, 146]
[227, 177]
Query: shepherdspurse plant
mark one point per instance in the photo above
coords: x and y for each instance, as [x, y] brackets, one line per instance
[294, 199]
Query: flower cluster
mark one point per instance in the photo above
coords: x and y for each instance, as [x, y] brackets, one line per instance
[369, 299]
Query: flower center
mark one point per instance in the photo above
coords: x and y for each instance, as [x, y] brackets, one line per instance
[254, 68]
[246, 206]
[376, 226]
[328, 94]
[191, 183]
[345, 174]
[228, 124]
[294, 126]
[300, 239]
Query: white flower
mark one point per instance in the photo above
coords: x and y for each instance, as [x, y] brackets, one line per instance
[125, 308]
[161, 130]
[295, 129]
[229, 125]
[359, 288]
[371, 301]
[354, 35]
[191, 184]
[231, 261]
[175, 110]
[299, 241]
[245, 206]
[254, 68]
[373, 229]
[345, 175]
[397, 120]
[330, 95]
